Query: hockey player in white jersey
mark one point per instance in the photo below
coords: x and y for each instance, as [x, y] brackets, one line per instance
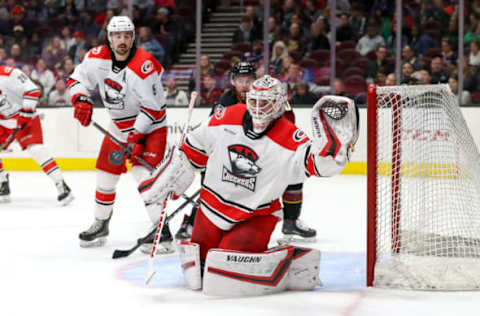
[19, 121]
[129, 81]
[250, 154]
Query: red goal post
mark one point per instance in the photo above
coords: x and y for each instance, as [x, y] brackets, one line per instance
[423, 191]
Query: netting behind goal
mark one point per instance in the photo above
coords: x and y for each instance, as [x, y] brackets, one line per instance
[423, 191]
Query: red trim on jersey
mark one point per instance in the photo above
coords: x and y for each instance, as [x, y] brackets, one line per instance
[123, 125]
[271, 280]
[105, 197]
[140, 64]
[188, 265]
[32, 94]
[100, 52]
[284, 134]
[155, 115]
[49, 166]
[196, 157]
[71, 82]
[75, 96]
[235, 213]
[311, 166]
[6, 70]
[233, 116]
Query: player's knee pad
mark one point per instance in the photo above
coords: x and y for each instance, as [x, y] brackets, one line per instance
[38, 152]
[189, 253]
[107, 180]
[233, 273]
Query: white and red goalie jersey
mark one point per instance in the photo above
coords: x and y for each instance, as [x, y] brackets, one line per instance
[17, 92]
[245, 175]
[133, 95]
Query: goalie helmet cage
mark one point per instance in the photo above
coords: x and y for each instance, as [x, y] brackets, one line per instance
[423, 191]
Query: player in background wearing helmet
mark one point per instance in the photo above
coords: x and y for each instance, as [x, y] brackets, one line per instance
[250, 154]
[243, 75]
[129, 81]
[18, 100]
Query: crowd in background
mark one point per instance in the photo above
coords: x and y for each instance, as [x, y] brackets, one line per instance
[47, 38]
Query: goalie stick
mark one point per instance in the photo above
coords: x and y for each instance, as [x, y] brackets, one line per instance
[15, 131]
[151, 270]
[125, 253]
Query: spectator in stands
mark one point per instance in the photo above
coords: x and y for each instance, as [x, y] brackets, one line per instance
[67, 40]
[438, 70]
[3, 55]
[274, 31]
[88, 25]
[311, 11]
[210, 94]
[27, 70]
[381, 77]
[302, 95]
[380, 62]
[35, 45]
[53, 54]
[18, 33]
[345, 31]
[80, 43]
[470, 76]
[68, 11]
[358, 21]
[318, 38]
[257, 25]
[466, 97]
[296, 40]
[391, 79]
[17, 17]
[433, 11]
[369, 41]
[473, 35]
[205, 68]
[449, 56]
[422, 77]
[147, 42]
[289, 8]
[174, 96]
[255, 54]
[171, 32]
[339, 89]
[68, 66]
[474, 56]
[421, 42]
[44, 75]
[245, 32]
[279, 53]
[17, 55]
[407, 71]
[59, 96]
[408, 55]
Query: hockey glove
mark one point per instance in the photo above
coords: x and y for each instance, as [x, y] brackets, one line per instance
[136, 145]
[83, 109]
[24, 118]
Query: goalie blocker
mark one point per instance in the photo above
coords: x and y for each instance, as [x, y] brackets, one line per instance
[235, 273]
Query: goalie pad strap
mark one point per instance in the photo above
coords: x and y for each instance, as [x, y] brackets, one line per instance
[234, 273]
[189, 254]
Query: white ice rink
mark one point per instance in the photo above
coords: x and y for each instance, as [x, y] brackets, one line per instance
[43, 271]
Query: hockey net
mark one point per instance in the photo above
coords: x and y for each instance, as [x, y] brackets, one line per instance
[423, 191]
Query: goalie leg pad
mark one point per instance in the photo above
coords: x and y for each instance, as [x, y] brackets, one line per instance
[235, 273]
[189, 253]
[174, 175]
[304, 270]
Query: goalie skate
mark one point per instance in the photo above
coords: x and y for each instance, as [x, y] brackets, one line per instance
[96, 235]
[5, 191]
[296, 231]
[65, 195]
[165, 245]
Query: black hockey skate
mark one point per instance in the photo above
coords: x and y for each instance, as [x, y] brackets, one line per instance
[96, 235]
[164, 245]
[185, 230]
[65, 195]
[5, 191]
[296, 231]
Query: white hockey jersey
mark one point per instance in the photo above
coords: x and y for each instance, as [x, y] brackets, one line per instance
[246, 177]
[17, 92]
[133, 96]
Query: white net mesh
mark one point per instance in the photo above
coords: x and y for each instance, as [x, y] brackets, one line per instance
[428, 191]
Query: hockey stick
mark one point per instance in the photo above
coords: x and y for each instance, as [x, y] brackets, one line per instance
[125, 253]
[15, 131]
[151, 270]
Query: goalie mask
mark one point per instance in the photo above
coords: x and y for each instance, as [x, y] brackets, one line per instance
[120, 24]
[265, 102]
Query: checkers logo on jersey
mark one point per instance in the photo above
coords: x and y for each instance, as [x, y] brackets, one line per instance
[113, 94]
[147, 67]
[243, 168]
[299, 135]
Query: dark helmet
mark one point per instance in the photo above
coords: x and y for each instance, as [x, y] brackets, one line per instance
[243, 68]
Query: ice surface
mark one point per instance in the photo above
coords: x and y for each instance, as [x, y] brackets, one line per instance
[43, 271]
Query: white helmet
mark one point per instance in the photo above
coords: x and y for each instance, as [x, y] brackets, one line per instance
[120, 24]
[265, 102]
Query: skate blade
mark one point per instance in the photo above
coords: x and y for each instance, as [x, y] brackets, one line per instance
[69, 198]
[99, 242]
[164, 248]
[5, 199]
[291, 239]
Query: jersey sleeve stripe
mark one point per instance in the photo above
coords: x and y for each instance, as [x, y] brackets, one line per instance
[153, 114]
[71, 82]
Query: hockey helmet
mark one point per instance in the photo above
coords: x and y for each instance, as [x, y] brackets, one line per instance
[265, 102]
[120, 24]
[243, 68]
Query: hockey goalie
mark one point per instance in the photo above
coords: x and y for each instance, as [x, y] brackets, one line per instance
[250, 154]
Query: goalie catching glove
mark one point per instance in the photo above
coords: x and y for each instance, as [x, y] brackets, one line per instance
[335, 132]
[174, 175]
